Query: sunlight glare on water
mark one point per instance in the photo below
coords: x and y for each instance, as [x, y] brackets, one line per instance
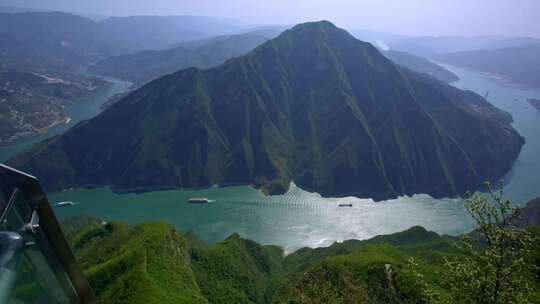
[300, 218]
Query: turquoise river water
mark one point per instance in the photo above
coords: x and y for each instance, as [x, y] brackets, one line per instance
[300, 218]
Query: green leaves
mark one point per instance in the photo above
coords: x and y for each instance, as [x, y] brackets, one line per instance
[494, 267]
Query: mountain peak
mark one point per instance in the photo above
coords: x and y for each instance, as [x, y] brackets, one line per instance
[314, 105]
[316, 29]
[320, 25]
[321, 41]
[315, 47]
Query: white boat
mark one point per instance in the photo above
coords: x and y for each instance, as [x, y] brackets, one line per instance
[64, 204]
[198, 200]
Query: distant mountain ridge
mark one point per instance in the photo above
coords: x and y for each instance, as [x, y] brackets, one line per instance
[41, 56]
[62, 37]
[73, 39]
[158, 32]
[15, 9]
[421, 65]
[60, 45]
[314, 105]
[518, 65]
[430, 46]
[146, 65]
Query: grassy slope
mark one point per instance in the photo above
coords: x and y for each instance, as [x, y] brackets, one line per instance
[235, 270]
[145, 264]
[374, 273]
[371, 271]
[153, 263]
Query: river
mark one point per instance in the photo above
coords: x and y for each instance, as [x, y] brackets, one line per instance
[300, 218]
[79, 110]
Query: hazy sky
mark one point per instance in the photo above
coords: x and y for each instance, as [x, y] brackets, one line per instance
[426, 17]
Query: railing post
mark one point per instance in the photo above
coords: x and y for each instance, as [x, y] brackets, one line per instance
[34, 220]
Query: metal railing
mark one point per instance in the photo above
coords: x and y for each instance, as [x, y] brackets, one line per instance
[36, 262]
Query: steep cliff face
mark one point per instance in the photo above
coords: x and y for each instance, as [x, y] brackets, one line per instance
[314, 106]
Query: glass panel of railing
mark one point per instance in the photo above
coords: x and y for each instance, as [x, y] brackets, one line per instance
[45, 268]
[39, 277]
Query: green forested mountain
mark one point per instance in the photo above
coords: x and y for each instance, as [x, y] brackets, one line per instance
[154, 263]
[143, 66]
[146, 264]
[314, 105]
[421, 65]
[518, 65]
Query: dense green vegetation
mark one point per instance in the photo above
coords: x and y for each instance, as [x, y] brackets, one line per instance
[153, 263]
[147, 65]
[314, 105]
[497, 263]
[518, 65]
[145, 264]
[421, 65]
